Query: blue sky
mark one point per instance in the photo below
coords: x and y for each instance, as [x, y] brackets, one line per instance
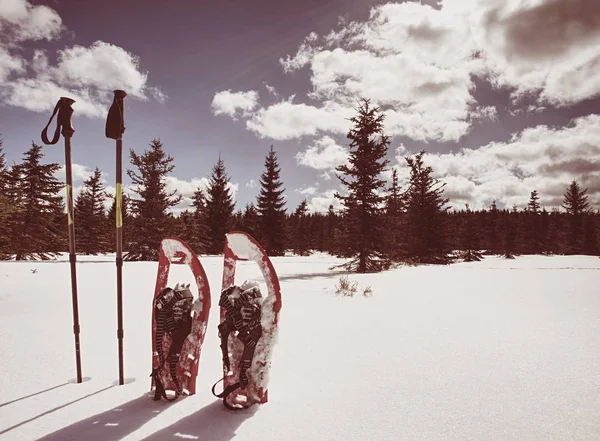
[502, 95]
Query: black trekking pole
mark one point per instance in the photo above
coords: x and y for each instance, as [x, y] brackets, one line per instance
[115, 126]
[63, 121]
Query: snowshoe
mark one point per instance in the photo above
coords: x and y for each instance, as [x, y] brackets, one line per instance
[179, 323]
[248, 325]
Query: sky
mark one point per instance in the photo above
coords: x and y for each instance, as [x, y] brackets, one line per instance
[503, 95]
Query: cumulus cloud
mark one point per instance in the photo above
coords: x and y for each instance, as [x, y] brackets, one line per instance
[419, 64]
[86, 74]
[320, 202]
[232, 103]
[541, 158]
[324, 154]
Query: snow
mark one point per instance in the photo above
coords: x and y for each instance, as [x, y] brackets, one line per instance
[497, 350]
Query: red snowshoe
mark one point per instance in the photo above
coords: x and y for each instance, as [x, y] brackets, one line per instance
[248, 325]
[178, 323]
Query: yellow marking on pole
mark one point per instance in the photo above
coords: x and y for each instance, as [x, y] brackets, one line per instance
[69, 217]
[118, 208]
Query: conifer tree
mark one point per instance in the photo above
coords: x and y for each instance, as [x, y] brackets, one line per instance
[534, 242]
[394, 219]
[198, 234]
[300, 228]
[6, 209]
[364, 207]
[575, 202]
[330, 228]
[248, 221]
[494, 230]
[38, 209]
[219, 207]
[90, 216]
[426, 215]
[151, 218]
[470, 237]
[270, 205]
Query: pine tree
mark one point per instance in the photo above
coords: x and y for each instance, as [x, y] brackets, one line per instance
[248, 220]
[426, 215]
[331, 222]
[151, 218]
[494, 230]
[270, 205]
[219, 208]
[300, 228]
[90, 216]
[470, 237]
[38, 209]
[534, 244]
[394, 219]
[6, 210]
[198, 234]
[575, 202]
[364, 205]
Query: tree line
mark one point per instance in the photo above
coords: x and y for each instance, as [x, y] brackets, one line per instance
[380, 224]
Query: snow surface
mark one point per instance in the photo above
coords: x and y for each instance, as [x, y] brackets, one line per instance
[483, 351]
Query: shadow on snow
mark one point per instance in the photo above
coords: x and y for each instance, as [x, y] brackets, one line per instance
[212, 422]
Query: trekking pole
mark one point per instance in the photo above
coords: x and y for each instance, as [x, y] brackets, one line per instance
[115, 126]
[63, 121]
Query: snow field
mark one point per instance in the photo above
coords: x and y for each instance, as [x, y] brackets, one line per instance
[483, 351]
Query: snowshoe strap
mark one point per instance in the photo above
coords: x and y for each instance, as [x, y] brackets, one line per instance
[160, 390]
[225, 329]
[226, 392]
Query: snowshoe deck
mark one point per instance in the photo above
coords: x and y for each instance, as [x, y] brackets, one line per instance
[240, 246]
[175, 251]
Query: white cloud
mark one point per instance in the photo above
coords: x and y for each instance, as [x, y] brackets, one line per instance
[320, 203]
[418, 63]
[230, 103]
[324, 154]
[541, 158]
[79, 173]
[252, 183]
[307, 191]
[87, 74]
[546, 46]
[23, 21]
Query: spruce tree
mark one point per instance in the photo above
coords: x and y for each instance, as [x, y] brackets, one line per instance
[90, 216]
[270, 204]
[198, 234]
[364, 204]
[426, 215]
[534, 242]
[248, 220]
[151, 218]
[38, 209]
[6, 209]
[575, 202]
[219, 208]
[331, 222]
[470, 237]
[494, 230]
[300, 229]
[394, 219]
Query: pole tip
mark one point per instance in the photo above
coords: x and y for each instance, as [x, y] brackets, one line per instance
[120, 93]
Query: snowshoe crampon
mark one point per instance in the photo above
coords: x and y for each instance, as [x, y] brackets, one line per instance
[248, 325]
[179, 323]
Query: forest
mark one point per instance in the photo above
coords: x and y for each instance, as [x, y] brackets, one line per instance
[380, 225]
